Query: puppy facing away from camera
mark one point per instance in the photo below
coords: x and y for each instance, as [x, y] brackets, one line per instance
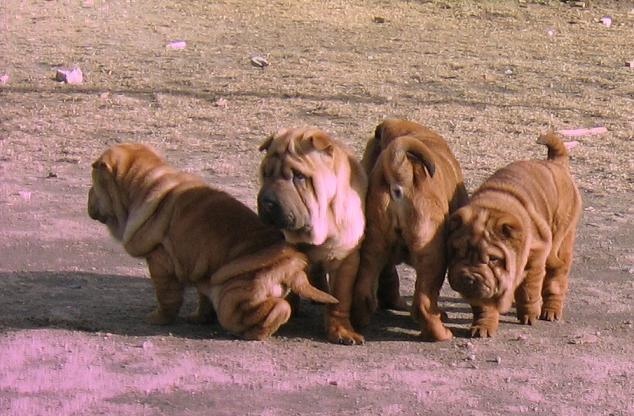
[415, 182]
[514, 241]
[193, 235]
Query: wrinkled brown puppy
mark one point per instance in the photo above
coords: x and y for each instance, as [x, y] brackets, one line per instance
[314, 190]
[191, 234]
[514, 240]
[415, 183]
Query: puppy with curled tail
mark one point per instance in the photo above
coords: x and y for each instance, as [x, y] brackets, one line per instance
[514, 241]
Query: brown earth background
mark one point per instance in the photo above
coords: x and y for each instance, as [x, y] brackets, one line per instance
[489, 76]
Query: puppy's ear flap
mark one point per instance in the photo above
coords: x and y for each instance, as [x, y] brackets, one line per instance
[458, 219]
[418, 153]
[378, 132]
[264, 147]
[321, 141]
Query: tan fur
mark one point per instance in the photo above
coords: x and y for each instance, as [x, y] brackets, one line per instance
[314, 190]
[191, 234]
[415, 183]
[514, 241]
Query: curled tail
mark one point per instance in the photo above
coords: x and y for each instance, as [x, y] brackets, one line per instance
[557, 151]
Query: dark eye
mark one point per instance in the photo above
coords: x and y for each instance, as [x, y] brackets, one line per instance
[495, 260]
[297, 175]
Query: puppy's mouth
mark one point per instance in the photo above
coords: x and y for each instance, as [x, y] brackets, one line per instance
[272, 212]
[96, 215]
[286, 221]
[472, 285]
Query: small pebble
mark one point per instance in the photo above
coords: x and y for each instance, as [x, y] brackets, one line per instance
[69, 76]
[221, 102]
[259, 61]
[177, 44]
[25, 195]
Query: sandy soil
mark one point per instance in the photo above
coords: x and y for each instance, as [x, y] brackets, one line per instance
[488, 75]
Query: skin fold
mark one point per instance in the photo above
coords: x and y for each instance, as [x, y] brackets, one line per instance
[415, 182]
[514, 241]
[193, 235]
[313, 190]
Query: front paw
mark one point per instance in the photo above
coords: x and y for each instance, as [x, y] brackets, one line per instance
[528, 315]
[551, 314]
[483, 331]
[340, 331]
[438, 334]
[159, 317]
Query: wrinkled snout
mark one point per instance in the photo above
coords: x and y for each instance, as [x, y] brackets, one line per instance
[93, 207]
[273, 213]
[470, 284]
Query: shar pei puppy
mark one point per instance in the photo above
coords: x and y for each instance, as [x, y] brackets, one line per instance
[514, 241]
[192, 234]
[415, 183]
[313, 190]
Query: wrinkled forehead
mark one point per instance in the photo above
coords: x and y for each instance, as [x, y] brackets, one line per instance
[291, 142]
[483, 227]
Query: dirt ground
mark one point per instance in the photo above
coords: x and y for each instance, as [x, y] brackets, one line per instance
[487, 75]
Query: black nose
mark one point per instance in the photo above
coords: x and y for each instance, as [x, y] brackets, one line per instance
[270, 211]
[465, 284]
[267, 204]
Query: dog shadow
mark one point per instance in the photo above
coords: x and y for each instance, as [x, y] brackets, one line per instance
[115, 304]
[118, 304]
[90, 302]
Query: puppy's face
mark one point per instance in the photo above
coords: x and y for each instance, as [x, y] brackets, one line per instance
[484, 254]
[298, 181]
[108, 201]
[103, 200]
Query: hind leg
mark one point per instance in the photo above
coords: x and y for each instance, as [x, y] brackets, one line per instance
[266, 318]
[556, 281]
[205, 313]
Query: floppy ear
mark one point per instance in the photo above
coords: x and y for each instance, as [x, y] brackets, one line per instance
[378, 133]
[321, 141]
[370, 154]
[419, 153]
[458, 218]
[266, 144]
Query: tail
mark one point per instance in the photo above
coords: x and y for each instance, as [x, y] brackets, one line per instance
[557, 151]
[299, 284]
[283, 263]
